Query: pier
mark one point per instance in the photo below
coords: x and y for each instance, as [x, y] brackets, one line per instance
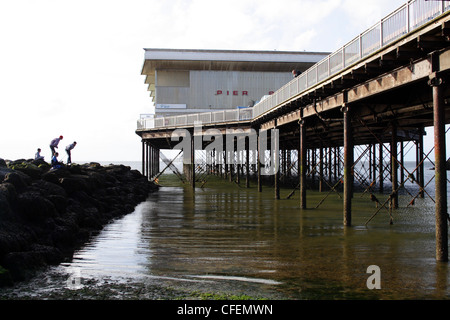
[347, 123]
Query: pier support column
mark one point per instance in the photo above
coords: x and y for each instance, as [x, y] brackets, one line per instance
[440, 171]
[192, 164]
[420, 175]
[394, 167]
[348, 162]
[374, 163]
[247, 164]
[230, 155]
[143, 159]
[381, 167]
[147, 156]
[276, 165]
[402, 160]
[321, 160]
[225, 163]
[258, 164]
[302, 164]
[238, 166]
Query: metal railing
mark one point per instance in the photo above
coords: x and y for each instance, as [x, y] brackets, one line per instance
[412, 15]
[204, 117]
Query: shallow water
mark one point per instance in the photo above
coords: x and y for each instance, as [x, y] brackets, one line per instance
[226, 238]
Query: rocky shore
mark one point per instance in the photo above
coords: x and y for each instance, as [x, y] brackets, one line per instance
[45, 213]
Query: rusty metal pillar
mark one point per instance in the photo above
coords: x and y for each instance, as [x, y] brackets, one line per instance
[192, 164]
[225, 164]
[147, 156]
[247, 165]
[289, 163]
[258, 164]
[154, 172]
[158, 168]
[155, 161]
[348, 162]
[302, 164]
[238, 166]
[402, 161]
[381, 166]
[321, 169]
[313, 167]
[152, 161]
[421, 173]
[440, 171]
[221, 161]
[276, 163]
[143, 159]
[374, 163]
[330, 179]
[230, 165]
[394, 167]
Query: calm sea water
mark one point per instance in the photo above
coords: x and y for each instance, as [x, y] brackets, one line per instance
[227, 238]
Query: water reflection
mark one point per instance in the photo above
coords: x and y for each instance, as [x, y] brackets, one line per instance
[225, 237]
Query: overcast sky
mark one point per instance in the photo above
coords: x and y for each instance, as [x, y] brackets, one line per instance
[73, 68]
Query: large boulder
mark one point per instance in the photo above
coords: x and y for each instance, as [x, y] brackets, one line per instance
[75, 183]
[34, 207]
[47, 188]
[5, 277]
[18, 180]
[30, 169]
[22, 265]
[5, 209]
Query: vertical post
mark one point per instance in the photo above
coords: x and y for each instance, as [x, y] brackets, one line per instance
[220, 164]
[313, 167]
[238, 166]
[374, 163]
[421, 175]
[154, 161]
[152, 157]
[143, 159]
[276, 156]
[321, 169]
[348, 162]
[147, 155]
[225, 163]
[402, 161]
[329, 165]
[370, 161]
[230, 165]
[394, 166]
[336, 162]
[440, 170]
[302, 166]
[247, 164]
[258, 164]
[192, 165]
[231, 169]
[289, 163]
[381, 169]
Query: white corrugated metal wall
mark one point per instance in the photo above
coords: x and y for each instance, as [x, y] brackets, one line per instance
[220, 89]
